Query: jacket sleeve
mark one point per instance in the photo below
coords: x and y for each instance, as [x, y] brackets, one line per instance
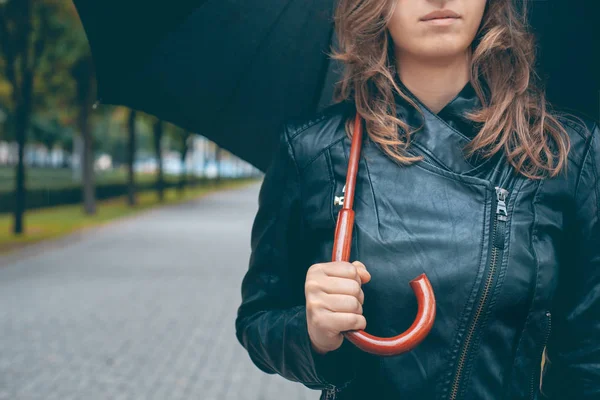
[572, 363]
[271, 320]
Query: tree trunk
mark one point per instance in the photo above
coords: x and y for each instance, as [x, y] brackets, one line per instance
[218, 164]
[184, 151]
[160, 182]
[131, 200]
[23, 112]
[83, 73]
[89, 191]
[207, 150]
[22, 96]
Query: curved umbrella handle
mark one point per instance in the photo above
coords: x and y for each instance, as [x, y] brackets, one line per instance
[421, 286]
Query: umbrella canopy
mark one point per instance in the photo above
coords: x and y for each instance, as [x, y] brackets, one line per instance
[569, 53]
[231, 71]
[234, 71]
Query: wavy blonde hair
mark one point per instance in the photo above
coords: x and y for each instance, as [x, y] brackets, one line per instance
[515, 115]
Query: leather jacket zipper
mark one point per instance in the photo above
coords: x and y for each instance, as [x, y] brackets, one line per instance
[498, 231]
[537, 367]
[331, 393]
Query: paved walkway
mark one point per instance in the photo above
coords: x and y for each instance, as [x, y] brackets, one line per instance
[140, 309]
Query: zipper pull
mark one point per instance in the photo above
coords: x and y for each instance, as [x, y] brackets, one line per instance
[330, 393]
[501, 217]
[501, 195]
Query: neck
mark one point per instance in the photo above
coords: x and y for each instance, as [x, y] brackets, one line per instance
[435, 84]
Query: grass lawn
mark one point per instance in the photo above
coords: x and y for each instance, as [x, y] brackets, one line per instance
[57, 221]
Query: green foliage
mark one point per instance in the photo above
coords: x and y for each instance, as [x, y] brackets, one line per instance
[57, 41]
[58, 30]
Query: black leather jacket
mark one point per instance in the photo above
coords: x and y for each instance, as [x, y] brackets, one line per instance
[506, 288]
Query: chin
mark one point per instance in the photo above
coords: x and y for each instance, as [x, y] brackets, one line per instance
[439, 49]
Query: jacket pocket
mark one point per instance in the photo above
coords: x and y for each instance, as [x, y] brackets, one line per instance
[524, 378]
[546, 327]
[318, 194]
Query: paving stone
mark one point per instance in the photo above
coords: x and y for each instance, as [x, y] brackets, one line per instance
[142, 308]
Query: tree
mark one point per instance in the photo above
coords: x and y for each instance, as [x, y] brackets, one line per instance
[186, 138]
[158, 135]
[38, 43]
[131, 200]
[83, 72]
[22, 53]
[218, 161]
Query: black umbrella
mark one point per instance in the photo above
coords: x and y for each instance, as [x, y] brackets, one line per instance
[569, 52]
[229, 70]
[233, 71]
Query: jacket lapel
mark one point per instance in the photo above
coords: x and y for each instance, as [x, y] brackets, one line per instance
[443, 135]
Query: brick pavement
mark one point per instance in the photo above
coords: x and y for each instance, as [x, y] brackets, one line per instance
[143, 308]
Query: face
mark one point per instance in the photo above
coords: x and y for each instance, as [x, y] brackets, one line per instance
[415, 36]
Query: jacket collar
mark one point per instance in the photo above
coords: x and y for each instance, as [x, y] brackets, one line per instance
[444, 134]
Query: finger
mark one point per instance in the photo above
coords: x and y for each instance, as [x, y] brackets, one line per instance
[364, 275]
[341, 322]
[341, 269]
[343, 303]
[334, 285]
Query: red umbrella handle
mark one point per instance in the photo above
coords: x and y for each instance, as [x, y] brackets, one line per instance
[421, 286]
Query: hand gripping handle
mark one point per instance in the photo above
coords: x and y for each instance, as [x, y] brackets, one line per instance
[421, 286]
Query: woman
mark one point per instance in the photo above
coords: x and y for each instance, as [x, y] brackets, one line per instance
[466, 175]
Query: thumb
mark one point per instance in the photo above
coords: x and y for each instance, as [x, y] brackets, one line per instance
[365, 276]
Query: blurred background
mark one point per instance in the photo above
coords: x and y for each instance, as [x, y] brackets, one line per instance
[123, 238]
